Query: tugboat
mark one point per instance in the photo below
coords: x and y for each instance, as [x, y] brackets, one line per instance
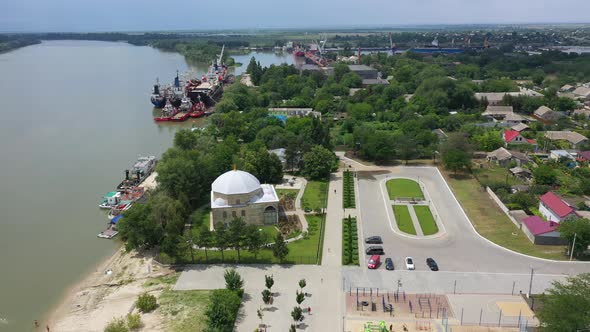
[167, 113]
[157, 98]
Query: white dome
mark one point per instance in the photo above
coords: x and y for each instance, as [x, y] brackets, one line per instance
[235, 182]
[220, 201]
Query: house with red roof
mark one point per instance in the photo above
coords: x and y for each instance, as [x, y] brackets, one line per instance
[540, 231]
[553, 208]
[511, 136]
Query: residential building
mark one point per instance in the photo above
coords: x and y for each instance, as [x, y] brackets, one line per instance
[558, 154]
[513, 119]
[575, 139]
[522, 173]
[582, 92]
[547, 114]
[495, 98]
[542, 232]
[583, 156]
[504, 157]
[553, 208]
[514, 137]
[567, 88]
[520, 127]
[239, 194]
[293, 111]
[497, 112]
[584, 112]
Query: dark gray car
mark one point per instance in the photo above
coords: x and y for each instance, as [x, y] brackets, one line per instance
[374, 240]
[374, 250]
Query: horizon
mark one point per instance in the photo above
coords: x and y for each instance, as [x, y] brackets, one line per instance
[39, 16]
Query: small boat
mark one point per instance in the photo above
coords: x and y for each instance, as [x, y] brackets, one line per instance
[111, 230]
[110, 199]
[167, 113]
[180, 117]
[118, 209]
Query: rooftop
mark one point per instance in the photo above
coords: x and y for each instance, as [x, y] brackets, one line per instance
[556, 204]
[235, 182]
[538, 226]
[567, 135]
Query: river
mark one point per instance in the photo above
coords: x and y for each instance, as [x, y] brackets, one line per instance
[75, 114]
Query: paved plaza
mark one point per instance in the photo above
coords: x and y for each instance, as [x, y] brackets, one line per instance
[468, 264]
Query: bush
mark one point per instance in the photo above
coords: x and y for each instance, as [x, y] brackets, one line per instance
[233, 281]
[133, 321]
[117, 325]
[222, 310]
[146, 302]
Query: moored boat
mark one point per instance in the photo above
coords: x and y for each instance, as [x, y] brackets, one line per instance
[142, 168]
[110, 199]
[157, 98]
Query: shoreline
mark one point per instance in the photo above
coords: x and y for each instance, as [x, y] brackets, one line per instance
[59, 310]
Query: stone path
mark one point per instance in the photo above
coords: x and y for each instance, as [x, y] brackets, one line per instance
[415, 220]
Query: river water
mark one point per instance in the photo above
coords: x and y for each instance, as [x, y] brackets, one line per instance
[75, 114]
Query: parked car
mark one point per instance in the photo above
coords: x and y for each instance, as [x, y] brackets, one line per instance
[374, 262]
[374, 250]
[409, 263]
[374, 240]
[431, 264]
[389, 264]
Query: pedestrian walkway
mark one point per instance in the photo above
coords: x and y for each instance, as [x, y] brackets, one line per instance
[415, 221]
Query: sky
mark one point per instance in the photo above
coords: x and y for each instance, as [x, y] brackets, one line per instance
[154, 15]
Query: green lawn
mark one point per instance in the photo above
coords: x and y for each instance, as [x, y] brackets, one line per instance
[283, 192]
[269, 230]
[426, 219]
[492, 223]
[404, 188]
[403, 219]
[315, 195]
[303, 251]
[496, 174]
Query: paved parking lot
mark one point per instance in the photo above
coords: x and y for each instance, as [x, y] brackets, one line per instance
[459, 249]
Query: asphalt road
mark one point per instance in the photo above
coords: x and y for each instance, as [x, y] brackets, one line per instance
[459, 249]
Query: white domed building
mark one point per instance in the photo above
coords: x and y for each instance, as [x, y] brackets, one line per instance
[239, 194]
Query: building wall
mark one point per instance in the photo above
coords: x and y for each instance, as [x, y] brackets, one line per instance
[253, 213]
[547, 213]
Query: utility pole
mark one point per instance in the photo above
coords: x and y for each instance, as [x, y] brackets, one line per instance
[573, 245]
[531, 283]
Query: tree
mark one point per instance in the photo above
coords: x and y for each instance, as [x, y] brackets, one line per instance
[266, 295]
[578, 228]
[302, 284]
[565, 305]
[406, 147]
[297, 314]
[456, 152]
[293, 328]
[279, 248]
[205, 240]
[221, 238]
[255, 239]
[222, 310]
[236, 234]
[186, 139]
[146, 302]
[319, 163]
[545, 175]
[300, 297]
[233, 281]
[269, 281]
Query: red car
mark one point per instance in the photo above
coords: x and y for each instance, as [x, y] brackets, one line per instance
[374, 262]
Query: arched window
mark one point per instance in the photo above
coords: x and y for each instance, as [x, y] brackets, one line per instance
[233, 214]
[243, 213]
[224, 214]
[237, 202]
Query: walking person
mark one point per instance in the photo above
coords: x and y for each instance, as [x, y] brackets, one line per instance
[309, 310]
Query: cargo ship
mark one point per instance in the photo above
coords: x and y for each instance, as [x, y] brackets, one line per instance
[434, 48]
[157, 98]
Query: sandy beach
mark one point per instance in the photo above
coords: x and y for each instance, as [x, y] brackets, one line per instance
[108, 292]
